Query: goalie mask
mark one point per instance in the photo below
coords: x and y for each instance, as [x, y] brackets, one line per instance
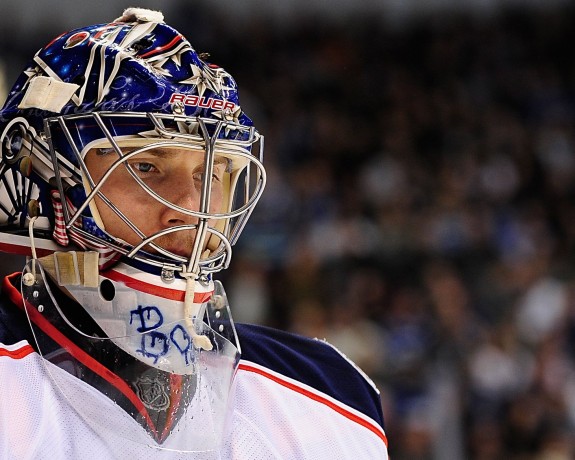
[128, 172]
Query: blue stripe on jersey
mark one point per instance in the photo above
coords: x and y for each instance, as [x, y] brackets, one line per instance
[312, 363]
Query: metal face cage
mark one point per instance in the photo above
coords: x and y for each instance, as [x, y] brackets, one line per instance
[127, 135]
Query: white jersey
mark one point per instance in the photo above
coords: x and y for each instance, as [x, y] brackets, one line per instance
[273, 417]
[292, 398]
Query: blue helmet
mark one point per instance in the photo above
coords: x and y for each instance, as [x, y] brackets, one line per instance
[121, 86]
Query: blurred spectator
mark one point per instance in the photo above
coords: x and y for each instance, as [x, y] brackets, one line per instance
[423, 188]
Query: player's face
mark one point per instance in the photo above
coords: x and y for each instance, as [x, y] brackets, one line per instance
[175, 174]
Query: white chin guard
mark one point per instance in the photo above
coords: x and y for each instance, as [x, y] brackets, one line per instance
[140, 351]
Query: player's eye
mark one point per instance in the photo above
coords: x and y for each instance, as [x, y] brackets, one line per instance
[143, 167]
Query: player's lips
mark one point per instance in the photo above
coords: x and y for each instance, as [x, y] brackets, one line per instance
[182, 251]
[179, 243]
[179, 251]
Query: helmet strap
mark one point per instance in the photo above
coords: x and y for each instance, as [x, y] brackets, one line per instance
[73, 268]
[194, 312]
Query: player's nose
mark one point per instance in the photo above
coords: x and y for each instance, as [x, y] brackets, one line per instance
[182, 193]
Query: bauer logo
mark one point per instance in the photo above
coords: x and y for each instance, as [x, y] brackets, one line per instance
[197, 101]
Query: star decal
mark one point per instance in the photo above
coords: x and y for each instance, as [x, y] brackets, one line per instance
[32, 72]
[199, 79]
[177, 57]
[158, 67]
[218, 77]
[230, 116]
[190, 126]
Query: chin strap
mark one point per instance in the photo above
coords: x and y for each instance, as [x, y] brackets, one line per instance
[193, 312]
[73, 268]
[30, 278]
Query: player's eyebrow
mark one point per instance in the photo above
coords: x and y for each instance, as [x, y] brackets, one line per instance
[156, 152]
[162, 152]
[221, 160]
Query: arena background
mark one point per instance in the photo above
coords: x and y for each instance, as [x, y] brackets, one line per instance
[420, 212]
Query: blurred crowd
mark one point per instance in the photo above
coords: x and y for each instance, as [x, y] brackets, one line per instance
[419, 215]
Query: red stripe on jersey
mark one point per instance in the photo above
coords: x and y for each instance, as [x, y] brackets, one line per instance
[316, 397]
[17, 354]
[83, 357]
[24, 250]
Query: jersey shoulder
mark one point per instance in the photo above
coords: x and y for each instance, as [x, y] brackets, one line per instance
[312, 362]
